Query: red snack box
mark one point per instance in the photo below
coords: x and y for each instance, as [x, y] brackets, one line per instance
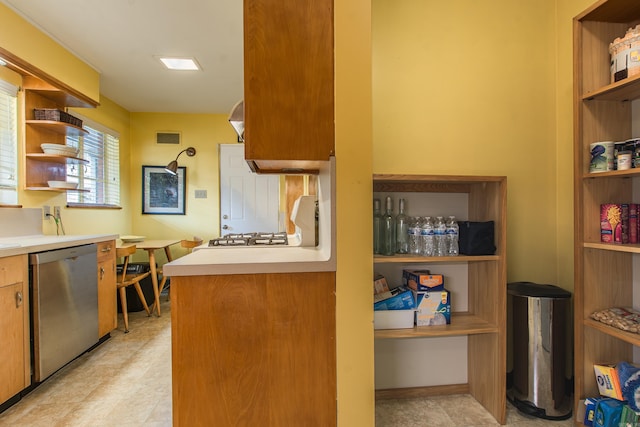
[610, 222]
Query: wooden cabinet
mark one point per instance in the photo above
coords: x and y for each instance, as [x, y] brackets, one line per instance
[254, 349]
[478, 297]
[107, 305]
[288, 84]
[40, 167]
[603, 111]
[15, 370]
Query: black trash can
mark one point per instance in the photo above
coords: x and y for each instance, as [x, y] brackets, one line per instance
[538, 347]
[133, 301]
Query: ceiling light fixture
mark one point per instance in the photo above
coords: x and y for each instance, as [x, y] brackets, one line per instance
[181, 64]
[172, 167]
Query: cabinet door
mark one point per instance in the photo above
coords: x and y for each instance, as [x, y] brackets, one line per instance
[260, 347]
[107, 309]
[12, 337]
[289, 82]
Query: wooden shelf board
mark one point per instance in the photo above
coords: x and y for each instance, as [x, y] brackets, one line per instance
[629, 337]
[461, 324]
[623, 90]
[55, 158]
[58, 127]
[56, 189]
[627, 247]
[629, 173]
[419, 392]
[381, 259]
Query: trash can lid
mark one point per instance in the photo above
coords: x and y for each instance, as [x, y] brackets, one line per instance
[537, 290]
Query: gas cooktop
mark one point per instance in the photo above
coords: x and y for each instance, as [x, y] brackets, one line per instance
[250, 239]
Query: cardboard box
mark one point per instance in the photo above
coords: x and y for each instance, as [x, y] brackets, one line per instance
[401, 299]
[393, 319]
[589, 410]
[433, 308]
[610, 222]
[633, 222]
[422, 280]
[608, 381]
[608, 413]
[380, 284]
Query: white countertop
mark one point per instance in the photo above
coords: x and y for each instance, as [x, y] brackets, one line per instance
[19, 245]
[251, 260]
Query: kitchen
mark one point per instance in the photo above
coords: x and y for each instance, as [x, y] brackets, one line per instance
[523, 116]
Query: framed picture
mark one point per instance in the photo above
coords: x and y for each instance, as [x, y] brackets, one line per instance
[163, 193]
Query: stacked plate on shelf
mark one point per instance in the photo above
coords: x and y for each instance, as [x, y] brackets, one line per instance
[63, 185]
[59, 149]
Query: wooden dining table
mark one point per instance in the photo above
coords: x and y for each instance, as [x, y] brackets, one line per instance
[151, 246]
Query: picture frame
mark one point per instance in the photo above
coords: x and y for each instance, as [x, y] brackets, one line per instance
[163, 193]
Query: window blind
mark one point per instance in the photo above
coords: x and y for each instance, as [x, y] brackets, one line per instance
[101, 176]
[8, 143]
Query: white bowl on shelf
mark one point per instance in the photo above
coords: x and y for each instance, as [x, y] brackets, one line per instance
[59, 149]
[132, 239]
[63, 184]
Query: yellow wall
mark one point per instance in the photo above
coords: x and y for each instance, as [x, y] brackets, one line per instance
[31, 45]
[204, 132]
[354, 314]
[465, 87]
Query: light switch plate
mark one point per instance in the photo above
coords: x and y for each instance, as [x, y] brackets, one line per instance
[201, 194]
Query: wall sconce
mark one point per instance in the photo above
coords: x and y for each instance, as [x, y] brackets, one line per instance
[172, 167]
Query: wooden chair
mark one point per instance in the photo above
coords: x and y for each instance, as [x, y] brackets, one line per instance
[124, 280]
[185, 243]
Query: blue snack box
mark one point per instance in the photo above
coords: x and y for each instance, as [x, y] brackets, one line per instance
[590, 410]
[608, 413]
[402, 299]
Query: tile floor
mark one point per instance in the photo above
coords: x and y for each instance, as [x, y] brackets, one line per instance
[126, 382]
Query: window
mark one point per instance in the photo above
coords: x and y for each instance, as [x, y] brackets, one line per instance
[101, 176]
[8, 143]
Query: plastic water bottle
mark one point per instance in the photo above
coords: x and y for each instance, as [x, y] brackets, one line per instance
[452, 236]
[440, 229]
[388, 229]
[377, 227]
[427, 237]
[402, 230]
[414, 236]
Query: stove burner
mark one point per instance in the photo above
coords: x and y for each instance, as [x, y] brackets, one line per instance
[250, 239]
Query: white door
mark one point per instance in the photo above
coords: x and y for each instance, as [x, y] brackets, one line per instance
[248, 202]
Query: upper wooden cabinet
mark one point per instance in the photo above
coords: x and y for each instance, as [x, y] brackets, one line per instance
[288, 84]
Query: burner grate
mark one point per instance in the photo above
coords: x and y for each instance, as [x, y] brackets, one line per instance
[250, 239]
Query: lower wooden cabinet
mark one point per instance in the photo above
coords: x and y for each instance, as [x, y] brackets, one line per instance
[107, 308]
[15, 369]
[254, 349]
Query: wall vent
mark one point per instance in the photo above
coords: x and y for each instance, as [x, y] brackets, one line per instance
[168, 137]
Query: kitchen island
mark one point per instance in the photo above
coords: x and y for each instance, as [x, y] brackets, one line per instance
[254, 349]
[253, 337]
[253, 331]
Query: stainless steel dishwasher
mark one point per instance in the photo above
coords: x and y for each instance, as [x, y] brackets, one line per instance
[64, 298]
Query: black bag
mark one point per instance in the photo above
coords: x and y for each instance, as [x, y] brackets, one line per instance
[476, 238]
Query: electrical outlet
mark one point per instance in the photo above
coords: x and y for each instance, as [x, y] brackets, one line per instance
[46, 211]
[56, 211]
